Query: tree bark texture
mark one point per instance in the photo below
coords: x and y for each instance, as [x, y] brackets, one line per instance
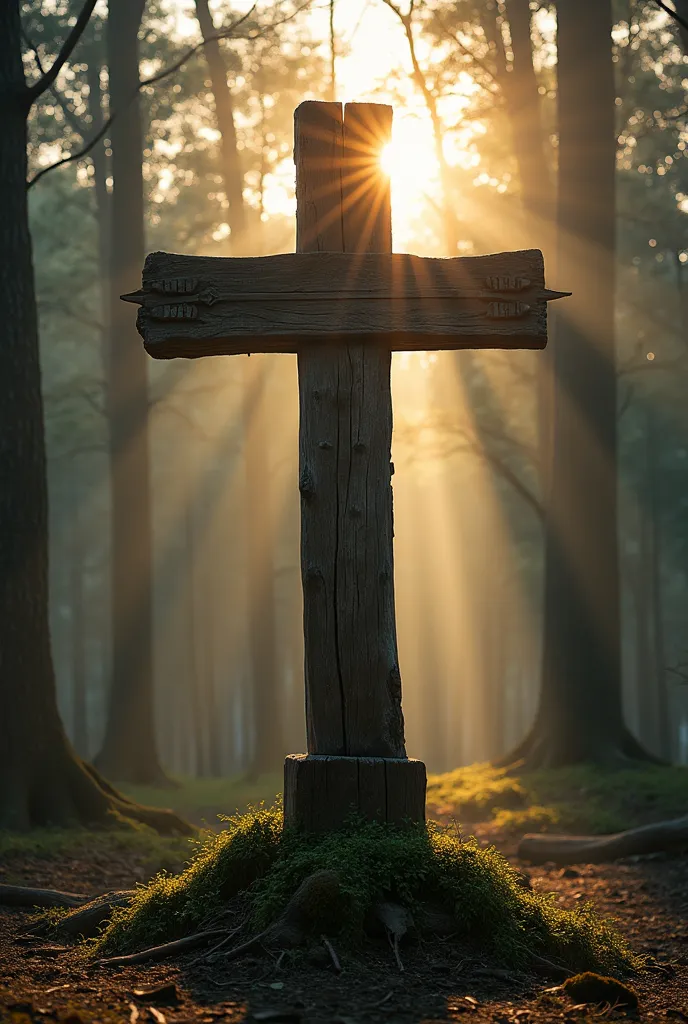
[129, 750]
[580, 714]
[34, 752]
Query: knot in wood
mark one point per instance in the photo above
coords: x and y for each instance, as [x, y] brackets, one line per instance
[391, 469]
[394, 682]
[360, 447]
[326, 445]
[355, 512]
[306, 483]
[313, 574]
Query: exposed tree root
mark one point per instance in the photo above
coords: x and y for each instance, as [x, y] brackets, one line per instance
[64, 791]
[542, 749]
[23, 896]
[154, 954]
[88, 920]
[657, 838]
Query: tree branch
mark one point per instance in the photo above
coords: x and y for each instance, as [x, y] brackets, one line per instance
[65, 53]
[229, 33]
[678, 18]
[679, 13]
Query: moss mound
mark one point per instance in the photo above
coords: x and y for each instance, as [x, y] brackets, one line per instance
[416, 867]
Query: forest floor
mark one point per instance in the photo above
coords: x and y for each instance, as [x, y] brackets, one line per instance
[647, 897]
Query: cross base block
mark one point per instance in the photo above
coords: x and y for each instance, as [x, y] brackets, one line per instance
[322, 791]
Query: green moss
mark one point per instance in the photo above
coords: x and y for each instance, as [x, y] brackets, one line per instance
[577, 799]
[472, 792]
[592, 988]
[492, 910]
[171, 906]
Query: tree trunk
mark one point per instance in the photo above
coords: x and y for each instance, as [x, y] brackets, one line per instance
[533, 158]
[129, 749]
[654, 487]
[232, 171]
[42, 781]
[641, 589]
[268, 743]
[78, 633]
[580, 714]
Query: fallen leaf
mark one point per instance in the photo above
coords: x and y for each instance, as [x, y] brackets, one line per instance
[157, 1015]
[134, 1015]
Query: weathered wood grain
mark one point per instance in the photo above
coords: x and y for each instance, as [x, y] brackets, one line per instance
[195, 306]
[318, 135]
[321, 792]
[345, 478]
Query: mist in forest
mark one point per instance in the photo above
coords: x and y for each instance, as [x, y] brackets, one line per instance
[175, 580]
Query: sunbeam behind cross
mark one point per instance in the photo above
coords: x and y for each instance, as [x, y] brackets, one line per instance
[343, 302]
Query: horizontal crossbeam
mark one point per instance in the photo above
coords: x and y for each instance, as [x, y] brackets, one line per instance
[195, 306]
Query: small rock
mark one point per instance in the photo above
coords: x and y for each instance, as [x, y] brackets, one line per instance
[599, 990]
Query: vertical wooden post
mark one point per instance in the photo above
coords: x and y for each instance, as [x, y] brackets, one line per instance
[356, 754]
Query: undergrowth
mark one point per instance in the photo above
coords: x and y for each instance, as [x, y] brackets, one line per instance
[577, 799]
[493, 911]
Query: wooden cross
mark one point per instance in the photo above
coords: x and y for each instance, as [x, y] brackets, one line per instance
[343, 302]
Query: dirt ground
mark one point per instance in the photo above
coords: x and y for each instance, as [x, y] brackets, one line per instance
[648, 898]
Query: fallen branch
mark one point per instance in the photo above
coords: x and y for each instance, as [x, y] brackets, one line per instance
[657, 838]
[24, 896]
[164, 951]
[226, 939]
